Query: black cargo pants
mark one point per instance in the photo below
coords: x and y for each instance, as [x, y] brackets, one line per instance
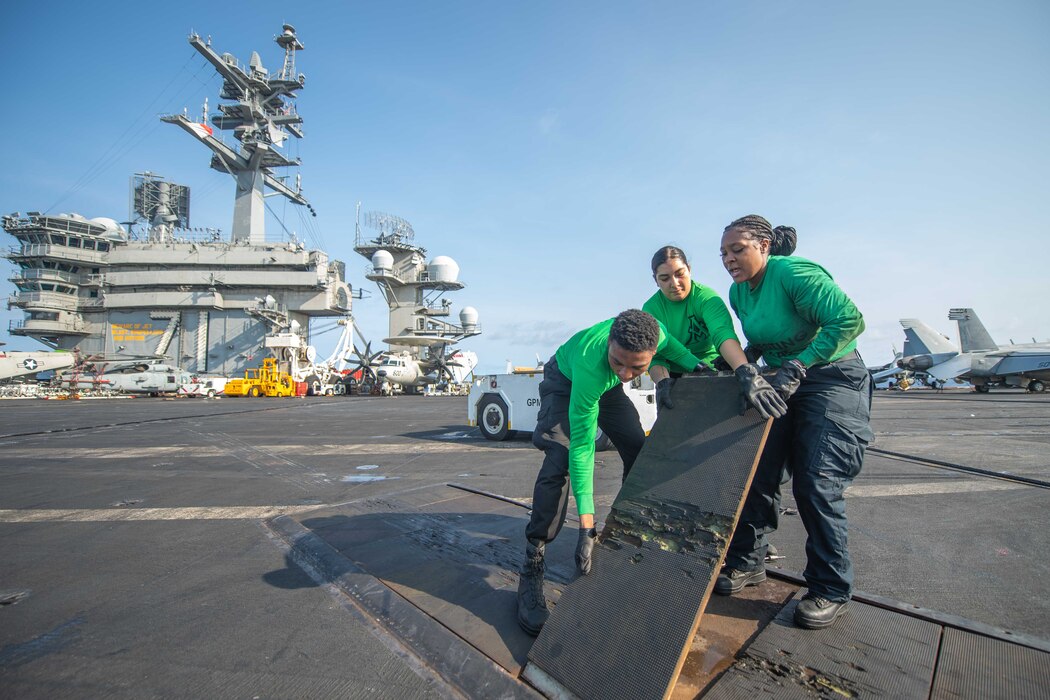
[618, 419]
[820, 445]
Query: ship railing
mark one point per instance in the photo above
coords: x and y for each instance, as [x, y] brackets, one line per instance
[41, 250]
[371, 273]
[39, 273]
[47, 300]
[45, 325]
[64, 225]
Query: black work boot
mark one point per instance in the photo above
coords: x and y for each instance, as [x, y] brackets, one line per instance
[532, 605]
[816, 612]
[734, 580]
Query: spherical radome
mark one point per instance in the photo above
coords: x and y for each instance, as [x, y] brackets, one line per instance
[110, 224]
[382, 260]
[443, 269]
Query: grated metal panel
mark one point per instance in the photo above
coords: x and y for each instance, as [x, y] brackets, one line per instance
[624, 631]
[868, 652]
[972, 666]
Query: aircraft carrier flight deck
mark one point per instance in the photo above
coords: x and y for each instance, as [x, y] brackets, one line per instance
[139, 555]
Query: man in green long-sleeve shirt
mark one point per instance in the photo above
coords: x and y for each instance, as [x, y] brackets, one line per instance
[580, 392]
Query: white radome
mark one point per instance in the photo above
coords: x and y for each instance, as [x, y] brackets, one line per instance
[382, 261]
[468, 318]
[110, 224]
[443, 269]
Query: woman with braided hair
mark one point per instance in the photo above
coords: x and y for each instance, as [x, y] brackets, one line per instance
[803, 324]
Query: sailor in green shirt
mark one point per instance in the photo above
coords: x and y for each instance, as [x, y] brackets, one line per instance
[582, 390]
[697, 317]
[802, 323]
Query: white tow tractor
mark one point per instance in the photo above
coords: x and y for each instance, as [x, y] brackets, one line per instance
[208, 387]
[500, 404]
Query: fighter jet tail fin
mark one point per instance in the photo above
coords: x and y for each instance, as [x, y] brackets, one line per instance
[972, 335]
[920, 339]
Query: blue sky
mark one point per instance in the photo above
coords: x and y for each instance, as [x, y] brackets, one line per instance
[551, 147]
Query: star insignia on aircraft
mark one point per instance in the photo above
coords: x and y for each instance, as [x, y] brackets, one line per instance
[29, 363]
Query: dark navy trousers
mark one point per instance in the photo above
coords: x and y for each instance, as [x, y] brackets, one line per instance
[618, 419]
[819, 445]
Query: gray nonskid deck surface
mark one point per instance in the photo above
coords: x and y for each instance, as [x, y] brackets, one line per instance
[451, 556]
[972, 666]
[948, 540]
[217, 595]
[874, 652]
[869, 652]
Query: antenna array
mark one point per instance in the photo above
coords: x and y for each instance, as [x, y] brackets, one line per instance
[389, 225]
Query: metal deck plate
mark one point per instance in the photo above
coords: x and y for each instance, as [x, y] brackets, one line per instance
[868, 652]
[972, 666]
[625, 630]
[450, 553]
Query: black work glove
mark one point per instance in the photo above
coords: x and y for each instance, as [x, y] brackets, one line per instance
[584, 548]
[756, 391]
[663, 393]
[720, 365]
[788, 378]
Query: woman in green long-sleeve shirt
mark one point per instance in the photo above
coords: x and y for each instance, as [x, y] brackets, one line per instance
[802, 323]
[698, 318]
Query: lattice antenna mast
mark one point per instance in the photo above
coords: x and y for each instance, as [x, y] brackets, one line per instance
[288, 41]
[261, 116]
[392, 229]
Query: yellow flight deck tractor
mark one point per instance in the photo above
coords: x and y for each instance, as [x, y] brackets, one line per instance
[267, 380]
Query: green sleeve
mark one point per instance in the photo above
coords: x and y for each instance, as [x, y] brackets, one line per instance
[674, 353]
[820, 301]
[583, 427]
[652, 307]
[719, 321]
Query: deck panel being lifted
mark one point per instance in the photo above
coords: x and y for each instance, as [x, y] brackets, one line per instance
[625, 630]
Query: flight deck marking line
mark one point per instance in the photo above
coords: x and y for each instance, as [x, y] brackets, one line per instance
[89, 515]
[199, 451]
[930, 488]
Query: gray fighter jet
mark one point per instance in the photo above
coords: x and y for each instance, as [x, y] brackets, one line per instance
[978, 359]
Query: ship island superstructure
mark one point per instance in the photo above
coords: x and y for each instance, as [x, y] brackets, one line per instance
[205, 303]
[413, 287]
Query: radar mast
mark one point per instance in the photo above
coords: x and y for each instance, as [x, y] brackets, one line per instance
[412, 287]
[261, 116]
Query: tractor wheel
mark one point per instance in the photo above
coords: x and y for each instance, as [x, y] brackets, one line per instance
[493, 417]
